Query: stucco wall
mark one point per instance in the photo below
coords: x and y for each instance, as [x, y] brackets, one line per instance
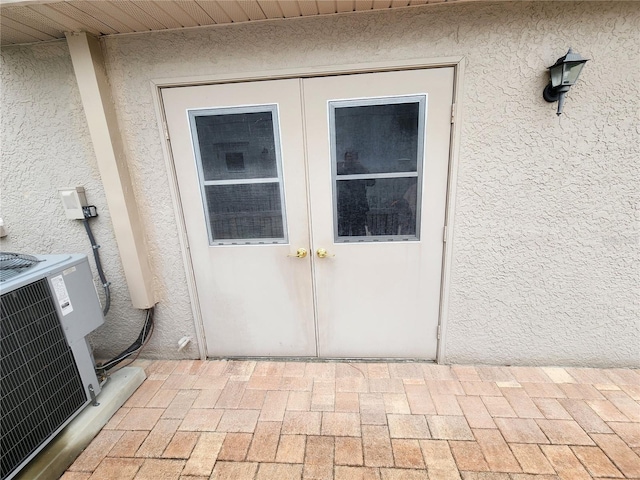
[546, 239]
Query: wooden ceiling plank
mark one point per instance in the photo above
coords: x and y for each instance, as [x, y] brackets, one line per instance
[252, 9]
[178, 13]
[10, 36]
[70, 24]
[28, 17]
[6, 22]
[326, 6]
[97, 11]
[155, 10]
[69, 10]
[214, 10]
[307, 7]
[291, 9]
[233, 10]
[196, 12]
[271, 8]
[112, 9]
[364, 5]
[133, 10]
[343, 6]
[381, 4]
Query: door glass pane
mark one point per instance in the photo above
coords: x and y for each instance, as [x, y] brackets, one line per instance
[385, 137]
[239, 165]
[237, 146]
[377, 149]
[377, 207]
[248, 211]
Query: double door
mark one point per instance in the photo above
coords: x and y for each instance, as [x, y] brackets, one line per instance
[314, 211]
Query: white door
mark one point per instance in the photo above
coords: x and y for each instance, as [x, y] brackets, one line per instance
[352, 169]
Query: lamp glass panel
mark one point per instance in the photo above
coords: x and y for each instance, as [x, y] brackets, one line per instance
[572, 72]
[556, 75]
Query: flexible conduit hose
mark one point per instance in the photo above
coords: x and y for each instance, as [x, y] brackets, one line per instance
[96, 256]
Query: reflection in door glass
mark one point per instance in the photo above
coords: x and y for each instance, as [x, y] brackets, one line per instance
[238, 155]
[377, 149]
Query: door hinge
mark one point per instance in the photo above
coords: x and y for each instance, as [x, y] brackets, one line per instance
[438, 332]
[166, 130]
[453, 112]
[444, 234]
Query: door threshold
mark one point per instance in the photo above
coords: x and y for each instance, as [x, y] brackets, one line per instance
[325, 359]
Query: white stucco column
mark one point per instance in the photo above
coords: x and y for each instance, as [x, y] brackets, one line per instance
[88, 64]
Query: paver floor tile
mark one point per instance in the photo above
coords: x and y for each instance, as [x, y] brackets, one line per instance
[234, 471]
[264, 383]
[531, 459]
[468, 456]
[419, 399]
[231, 394]
[302, 423]
[299, 401]
[320, 450]
[117, 469]
[437, 372]
[622, 456]
[623, 402]
[291, 449]
[235, 446]
[522, 403]
[144, 393]
[386, 385]
[96, 451]
[320, 370]
[498, 407]
[496, 452]
[446, 404]
[165, 469]
[181, 445]
[476, 412]
[75, 476]
[347, 402]
[201, 420]
[529, 374]
[465, 373]
[128, 444]
[264, 444]
[162, 399]
[356, 473]
[317, 472]
[582, 391]
[449, 427]
[323, 402]
[445, 387]
[263, 369]
[407, 453]
[564, 432]
[587, 375]
[596, 462]
[607, 411]
[112, 424]
[551, 409]
[494, 374]
[297, 384]
[352, 384]
[378, 370]
[251, 400]
[544, 390]
[140, 419]
[204, 454]
[489, 389]
[437, 454]
[158, 439]
[584, 415]
[376, 446]
[396, 403]
[181, 404]
[565, 463]
[206, 399]
[341, 424]
[485, 476]
[520, 430]
[293, 369]
[279, 471]
[628, 432]
[238, 421]
[402, 474]
[558, 375]
[348, 451]
[408, 426]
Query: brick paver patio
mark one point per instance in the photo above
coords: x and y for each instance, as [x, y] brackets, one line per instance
[351, 421]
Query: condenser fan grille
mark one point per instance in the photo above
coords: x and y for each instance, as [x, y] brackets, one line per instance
[12, 264]
[40, 383]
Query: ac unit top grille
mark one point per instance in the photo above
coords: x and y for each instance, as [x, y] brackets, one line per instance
[12, 264]
[40, 383]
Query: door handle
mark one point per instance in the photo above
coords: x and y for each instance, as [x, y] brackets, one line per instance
[322, 253]
[300, 253]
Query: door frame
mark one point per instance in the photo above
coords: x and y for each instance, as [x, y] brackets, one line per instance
[457, 63]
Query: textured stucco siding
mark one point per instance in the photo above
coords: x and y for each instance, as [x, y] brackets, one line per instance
[546, 251]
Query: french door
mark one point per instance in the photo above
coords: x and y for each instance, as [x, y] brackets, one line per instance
[314, 211]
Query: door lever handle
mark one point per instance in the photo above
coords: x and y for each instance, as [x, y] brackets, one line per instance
[322, 253]
[300, 253]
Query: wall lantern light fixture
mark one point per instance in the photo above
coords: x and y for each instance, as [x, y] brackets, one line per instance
[564, 73]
